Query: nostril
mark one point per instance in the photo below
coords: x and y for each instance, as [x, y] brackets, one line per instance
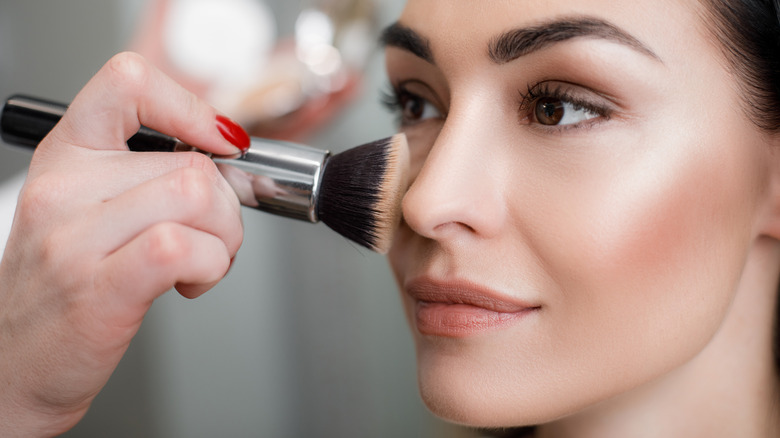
[453, 226]
[417, 211]
[429, 212]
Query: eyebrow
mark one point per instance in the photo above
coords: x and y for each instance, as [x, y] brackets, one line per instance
[523, 41]
[398, 35]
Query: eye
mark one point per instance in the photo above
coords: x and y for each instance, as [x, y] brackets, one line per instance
[560, 107]
[551, 111]
[410, 107]
[415, 108]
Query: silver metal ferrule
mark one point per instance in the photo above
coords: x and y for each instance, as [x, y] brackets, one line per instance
[278, 177]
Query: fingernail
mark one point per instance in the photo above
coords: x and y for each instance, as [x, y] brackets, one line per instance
[233, 133]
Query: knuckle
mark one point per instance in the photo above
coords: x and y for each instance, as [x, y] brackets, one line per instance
[194, 188]
[166, 244]
[128, 71]
[196, 160]
[52, 246]
[39, 198]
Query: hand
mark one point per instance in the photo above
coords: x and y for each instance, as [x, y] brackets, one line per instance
[99, 233]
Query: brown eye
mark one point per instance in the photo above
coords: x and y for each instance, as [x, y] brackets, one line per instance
[549, 111]
[415, 108]
[412, 107]
[555, 111]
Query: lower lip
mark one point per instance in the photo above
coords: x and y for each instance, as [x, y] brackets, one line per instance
[461, 320]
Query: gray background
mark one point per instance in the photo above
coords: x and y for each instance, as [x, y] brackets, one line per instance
[304, 338]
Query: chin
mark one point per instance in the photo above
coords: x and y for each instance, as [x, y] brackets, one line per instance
[476, 410]
[462, 390]
[474, 383]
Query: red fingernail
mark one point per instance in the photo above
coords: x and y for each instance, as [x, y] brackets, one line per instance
[233, 133]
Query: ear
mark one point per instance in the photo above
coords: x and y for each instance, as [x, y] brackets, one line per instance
[770, 222]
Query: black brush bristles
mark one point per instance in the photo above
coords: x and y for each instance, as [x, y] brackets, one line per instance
[361, 190]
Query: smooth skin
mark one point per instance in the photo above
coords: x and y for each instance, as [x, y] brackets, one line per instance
[99, 233]
[642, 228]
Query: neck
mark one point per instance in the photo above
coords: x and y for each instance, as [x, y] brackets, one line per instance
[729, 389]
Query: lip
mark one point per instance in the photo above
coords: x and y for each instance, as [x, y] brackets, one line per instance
[460, 308]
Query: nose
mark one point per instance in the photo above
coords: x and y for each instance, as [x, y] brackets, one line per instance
[459, 190]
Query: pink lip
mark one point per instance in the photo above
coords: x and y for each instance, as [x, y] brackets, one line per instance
[460, 308]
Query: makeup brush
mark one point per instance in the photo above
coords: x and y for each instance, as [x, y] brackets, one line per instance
[357, 193]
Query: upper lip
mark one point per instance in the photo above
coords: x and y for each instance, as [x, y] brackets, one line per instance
[459, 291]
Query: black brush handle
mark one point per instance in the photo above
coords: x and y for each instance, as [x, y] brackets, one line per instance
[26, 120]
[275, 176]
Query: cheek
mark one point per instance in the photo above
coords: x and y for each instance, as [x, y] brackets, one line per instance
[645, 261]
[402, 258]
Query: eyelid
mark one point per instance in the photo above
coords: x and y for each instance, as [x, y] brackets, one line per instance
[422, 90]
[575, 94]
[415, 88]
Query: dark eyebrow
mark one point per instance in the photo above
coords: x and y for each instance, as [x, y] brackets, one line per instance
[519, 42]
[398, 35]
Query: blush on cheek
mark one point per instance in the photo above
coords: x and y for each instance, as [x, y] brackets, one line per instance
[646, 269]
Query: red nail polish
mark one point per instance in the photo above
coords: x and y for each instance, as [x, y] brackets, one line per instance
[233, 133]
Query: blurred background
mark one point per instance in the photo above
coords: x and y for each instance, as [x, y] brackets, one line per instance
[305, 337]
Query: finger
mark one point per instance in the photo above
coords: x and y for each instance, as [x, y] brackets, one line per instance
[151, 264]
[115, 197]
[187, 196]
[121, 171]
[193, 291]
[196, 290]
[129, 92]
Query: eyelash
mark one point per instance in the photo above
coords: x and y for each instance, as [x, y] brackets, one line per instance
[544, 90]
[394, 98]
[390, 98]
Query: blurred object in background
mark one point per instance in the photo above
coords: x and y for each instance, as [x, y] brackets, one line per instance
[228, 52]
[222, 44]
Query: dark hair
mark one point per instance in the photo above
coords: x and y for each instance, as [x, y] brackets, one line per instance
[749, 33]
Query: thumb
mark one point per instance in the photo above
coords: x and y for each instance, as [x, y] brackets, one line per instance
[128, 92]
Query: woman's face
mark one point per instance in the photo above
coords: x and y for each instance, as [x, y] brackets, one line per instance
[585, 190]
